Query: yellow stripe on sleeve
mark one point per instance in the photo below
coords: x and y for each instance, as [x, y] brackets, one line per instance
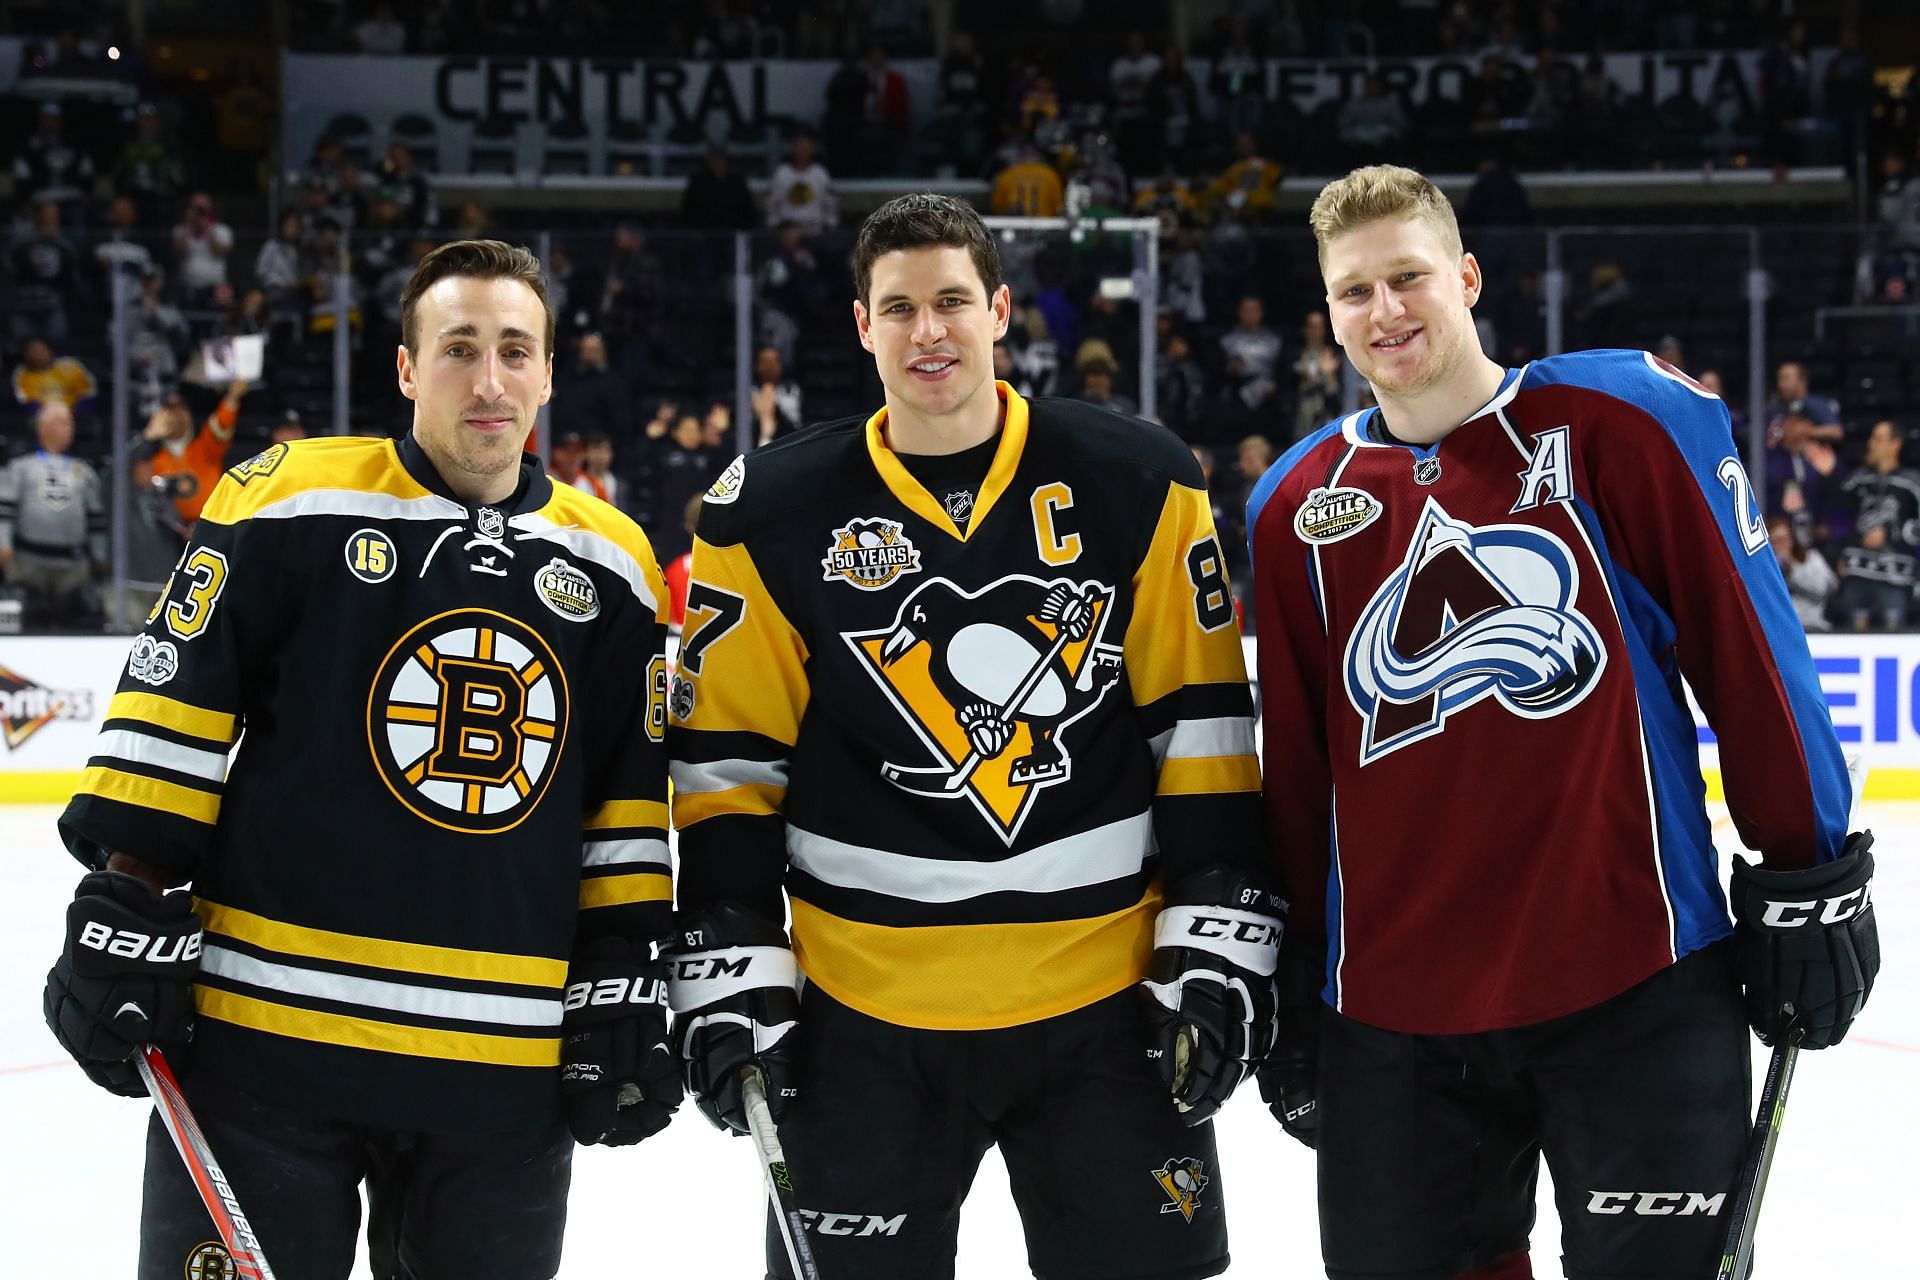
[151, 793]
[168, 713]
[1167, 647]
[381, 953]
[620, 891]
[383, 1037]
[1208, 775]
[628, 813]
[751, 798]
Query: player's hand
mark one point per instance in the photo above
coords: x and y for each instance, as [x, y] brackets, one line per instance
[1809, 945]
[1210, 986]
[1290, 1077]
[732, 980]
[618, 1079]
[124, 978]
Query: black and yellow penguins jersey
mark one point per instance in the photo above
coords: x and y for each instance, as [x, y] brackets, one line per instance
[970, 751]
[450, 723]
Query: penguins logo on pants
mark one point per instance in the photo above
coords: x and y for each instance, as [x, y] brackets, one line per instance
[990, 680]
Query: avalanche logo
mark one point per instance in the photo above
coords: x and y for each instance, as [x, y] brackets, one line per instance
[1472, 613]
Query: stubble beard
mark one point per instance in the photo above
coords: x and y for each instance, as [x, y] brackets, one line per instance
[1442, 365]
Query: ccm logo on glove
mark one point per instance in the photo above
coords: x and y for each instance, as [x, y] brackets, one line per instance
[1259, 933]
[1792, 915]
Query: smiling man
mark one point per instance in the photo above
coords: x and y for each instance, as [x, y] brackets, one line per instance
[427, 887]
[1475, 607]
[963, 679]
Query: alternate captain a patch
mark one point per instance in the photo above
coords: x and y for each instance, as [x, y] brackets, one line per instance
[990, 680]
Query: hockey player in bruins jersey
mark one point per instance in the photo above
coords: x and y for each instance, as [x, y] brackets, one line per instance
[425, 895]
[963, 680]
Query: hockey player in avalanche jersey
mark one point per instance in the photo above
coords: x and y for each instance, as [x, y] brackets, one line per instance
[418, 950]
[1475, 606]
[964, 679]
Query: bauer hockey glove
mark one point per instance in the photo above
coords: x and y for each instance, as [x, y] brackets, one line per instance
[1809, 947]
[617, 1076]
[735, 1004]
[1210, 986]
[1290, 1077]
[124, 978]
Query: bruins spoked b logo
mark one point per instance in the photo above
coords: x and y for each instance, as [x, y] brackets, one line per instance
[210, 1260]
[466, 720]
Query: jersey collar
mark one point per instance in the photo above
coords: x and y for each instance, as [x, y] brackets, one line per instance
[530, 494]
[904, 486]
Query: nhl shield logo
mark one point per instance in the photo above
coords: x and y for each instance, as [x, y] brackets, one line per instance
[1183, 1179]
[492, 524]
[870, 554]
[959, 506]
[990, 680]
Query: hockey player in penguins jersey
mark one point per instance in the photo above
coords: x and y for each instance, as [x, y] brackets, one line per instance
[425, 895]
[1475, 606]
[964, 679]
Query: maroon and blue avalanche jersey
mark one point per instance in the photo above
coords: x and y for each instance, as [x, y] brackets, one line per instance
[1482, 778]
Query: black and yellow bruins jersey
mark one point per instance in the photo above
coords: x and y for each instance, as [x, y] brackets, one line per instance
[450, 723]
[969, 751]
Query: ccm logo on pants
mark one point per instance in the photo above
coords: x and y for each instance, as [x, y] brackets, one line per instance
[853, 1224]
[1655, 1204]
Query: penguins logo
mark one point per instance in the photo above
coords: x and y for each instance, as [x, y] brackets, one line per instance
[1183, 1180]
[989, 680]
[870, 554]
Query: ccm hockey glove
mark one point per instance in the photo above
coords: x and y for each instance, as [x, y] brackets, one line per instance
[1809, 947]
[1289, 1078]
[124, 978]
[735, 1005]
[617, 1076]
[1211, 988]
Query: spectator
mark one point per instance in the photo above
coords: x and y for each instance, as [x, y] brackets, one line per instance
[1246, 188]
[775, 398]
[1129, 92]
[1897, 209]
[1500, 92]
[1174, 100]
[1372, 123]
[1316, 373]
[161, 338]
[844, 123]
[290, 428]
[400, 180]
[1786, 87]
[716, 430]
[1168, 198]
[1802, 483]
[596, 469]
[474, 223]
[201, 243]
[156, 535]
[1239, 79]
[1035, 103]
[120, 251]
[1251, 352]
[889, 114]
[687, 469]
[1790, 388]
[1179, 385]
[801, 192]
[1097, 369]
[1497, 198]
[565, 458]
[1254, 456]
[790, 283]
[1097, 187]
[716, 198]
[1711, 380]
[1877, 565]
[40, 379]
[1029, 187]
[277, 267]
[53, 523]
[191, 461]
[381, 33]
[48, 167]
[46, 275]
[1602, 320]
[595, 397]
[150, 168]
[1811, 581]
[961, 122]
[631, 300]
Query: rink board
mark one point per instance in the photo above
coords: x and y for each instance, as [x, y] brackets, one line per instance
[55, 689]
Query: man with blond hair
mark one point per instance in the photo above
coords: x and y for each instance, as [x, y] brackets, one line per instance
[1487, 587]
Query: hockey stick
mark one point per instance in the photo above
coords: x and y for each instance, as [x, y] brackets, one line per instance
[1738, 1256]
[942, 781]
[786, 1210]
[215, 1191]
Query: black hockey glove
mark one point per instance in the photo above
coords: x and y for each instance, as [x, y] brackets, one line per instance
[1210, 986]
[617, 1076]
[124, 978]
[1290, 1077]
[1809, 947]
[735, 1004]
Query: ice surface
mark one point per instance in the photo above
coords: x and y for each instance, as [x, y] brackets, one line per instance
[687, 1202]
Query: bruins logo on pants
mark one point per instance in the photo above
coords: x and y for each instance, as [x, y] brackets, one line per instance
[466, 720]
[989, 680]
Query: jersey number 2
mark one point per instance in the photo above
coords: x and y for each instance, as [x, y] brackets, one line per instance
[1753, 531]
